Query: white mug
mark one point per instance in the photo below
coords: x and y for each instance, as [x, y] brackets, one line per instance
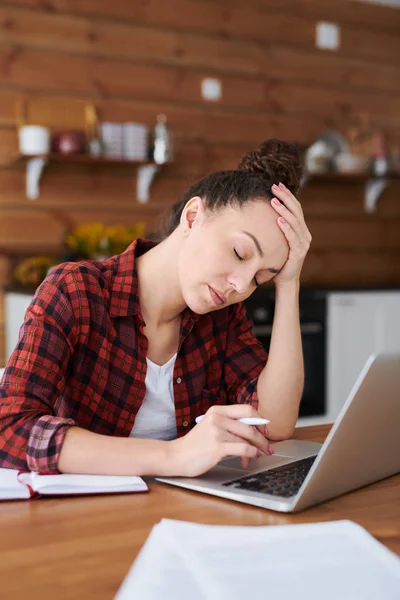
[34, 139]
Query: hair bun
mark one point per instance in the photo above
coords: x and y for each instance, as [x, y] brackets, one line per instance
[276, 160]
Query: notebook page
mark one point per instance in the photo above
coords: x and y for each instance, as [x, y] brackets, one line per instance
[158, 572]
[67, 483]
[324, 560]
[10, 487]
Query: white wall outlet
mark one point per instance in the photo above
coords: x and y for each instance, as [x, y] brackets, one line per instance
[211, 89]
[327, 36]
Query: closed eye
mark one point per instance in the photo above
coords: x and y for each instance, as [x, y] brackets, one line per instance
[238, 255]
[241, 260]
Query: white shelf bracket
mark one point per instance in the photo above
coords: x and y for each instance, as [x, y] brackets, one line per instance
[373, 189]
[34, 170]
[145, 176]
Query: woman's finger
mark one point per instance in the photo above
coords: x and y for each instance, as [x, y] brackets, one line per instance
[245, 462]
[229, 438]
[292, 204]
[246, 432]
[298, 225]
[287, 198]
[297, 245]
[243, 449]
[263, 429]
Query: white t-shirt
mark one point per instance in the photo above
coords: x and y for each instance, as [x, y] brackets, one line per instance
[156, 417]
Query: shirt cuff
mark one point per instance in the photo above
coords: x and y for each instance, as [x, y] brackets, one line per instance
[45, 442]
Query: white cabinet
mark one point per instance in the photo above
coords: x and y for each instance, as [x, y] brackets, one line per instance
[388, 336]
[359, 324]
[15, 307]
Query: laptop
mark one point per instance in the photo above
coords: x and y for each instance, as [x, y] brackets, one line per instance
[362, 447]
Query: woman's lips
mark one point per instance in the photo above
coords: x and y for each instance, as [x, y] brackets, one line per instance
[216, 297]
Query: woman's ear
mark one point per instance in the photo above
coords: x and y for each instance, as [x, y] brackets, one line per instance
[192, 213]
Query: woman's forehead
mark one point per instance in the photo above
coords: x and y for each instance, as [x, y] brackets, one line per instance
[255, 215]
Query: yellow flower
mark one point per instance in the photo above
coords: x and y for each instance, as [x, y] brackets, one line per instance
[89, 239]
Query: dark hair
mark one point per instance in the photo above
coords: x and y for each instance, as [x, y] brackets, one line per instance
[273, 162]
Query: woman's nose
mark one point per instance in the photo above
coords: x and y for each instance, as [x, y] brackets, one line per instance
[240, 283]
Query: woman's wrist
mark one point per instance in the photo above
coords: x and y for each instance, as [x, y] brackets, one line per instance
[287, 288]
[286, 305]
[173, 459]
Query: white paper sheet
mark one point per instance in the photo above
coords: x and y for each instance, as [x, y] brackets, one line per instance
[312, 561]
[159, 572]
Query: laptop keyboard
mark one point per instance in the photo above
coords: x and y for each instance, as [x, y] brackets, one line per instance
[281, 481]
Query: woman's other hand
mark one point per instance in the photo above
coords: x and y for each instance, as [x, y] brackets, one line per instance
[216, 437]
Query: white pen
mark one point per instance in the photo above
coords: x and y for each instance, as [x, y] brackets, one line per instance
[245, 420]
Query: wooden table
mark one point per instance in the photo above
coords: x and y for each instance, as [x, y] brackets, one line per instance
[82, 548]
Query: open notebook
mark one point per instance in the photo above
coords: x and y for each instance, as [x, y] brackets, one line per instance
[15, 484]
[319, 561]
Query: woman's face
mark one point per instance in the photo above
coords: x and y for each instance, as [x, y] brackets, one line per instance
[225, 255]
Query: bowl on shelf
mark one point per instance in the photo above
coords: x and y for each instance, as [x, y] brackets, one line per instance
[347, 163]
[69, 142]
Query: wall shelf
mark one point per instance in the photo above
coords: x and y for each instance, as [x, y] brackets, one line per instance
[35, 166]
[374, 185]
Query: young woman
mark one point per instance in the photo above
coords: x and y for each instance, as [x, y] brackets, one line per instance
[117, 358]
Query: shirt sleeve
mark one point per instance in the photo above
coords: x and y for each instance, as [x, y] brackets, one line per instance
[245, 359]
[31, 433]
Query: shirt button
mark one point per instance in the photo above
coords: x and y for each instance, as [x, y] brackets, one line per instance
[178, 380]
[185, 423]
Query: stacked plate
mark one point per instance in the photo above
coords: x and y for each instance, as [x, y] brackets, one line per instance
[112, 138]
[135, 141]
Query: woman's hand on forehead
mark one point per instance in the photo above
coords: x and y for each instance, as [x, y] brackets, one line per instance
[292, 223]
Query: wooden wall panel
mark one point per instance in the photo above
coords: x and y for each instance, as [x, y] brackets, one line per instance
[180, 14]
[354, 234]
[358, 14]
[135, 60]
[338, 268]
[8, 145]
[77, 35]
[346, 200]
[37, 68]
[264, 23]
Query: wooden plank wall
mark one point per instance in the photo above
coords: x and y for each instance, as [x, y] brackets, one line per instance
[134, 59]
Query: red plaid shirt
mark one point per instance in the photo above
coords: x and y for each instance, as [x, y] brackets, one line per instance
[81, 360]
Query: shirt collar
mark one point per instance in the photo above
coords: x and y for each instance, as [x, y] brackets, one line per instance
[124, 298]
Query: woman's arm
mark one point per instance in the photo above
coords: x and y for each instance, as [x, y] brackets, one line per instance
[280, 383]
[217, 436]
[87, 452]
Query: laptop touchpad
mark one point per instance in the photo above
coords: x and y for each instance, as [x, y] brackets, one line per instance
[264, 462]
